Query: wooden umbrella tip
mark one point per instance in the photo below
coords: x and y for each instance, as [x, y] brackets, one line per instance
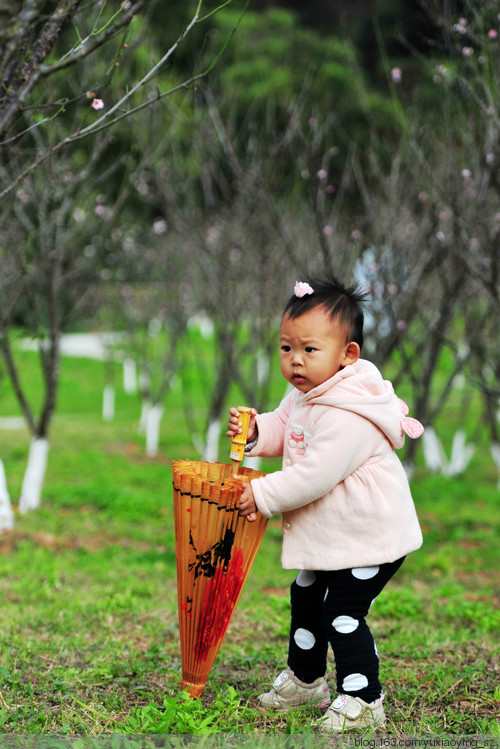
[194, 690]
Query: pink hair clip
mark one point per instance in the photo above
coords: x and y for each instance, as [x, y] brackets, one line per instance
[301, 289]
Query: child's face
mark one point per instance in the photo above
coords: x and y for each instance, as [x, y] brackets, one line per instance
[313, 349]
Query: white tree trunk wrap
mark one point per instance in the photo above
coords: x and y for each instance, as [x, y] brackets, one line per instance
[263, 367]
[6, 514]
[108, 403]
[153, 422]
[145, 409]
[435, 458]
[212, 447]
[34, 476]
[204, 325]
[461, 453]
[129, 376]
[495, 454]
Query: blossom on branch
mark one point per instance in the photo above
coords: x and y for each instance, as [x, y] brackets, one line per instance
[396, 75]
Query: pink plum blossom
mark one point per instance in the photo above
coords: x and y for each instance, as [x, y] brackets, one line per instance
[493, 33]
[396, 75]
[322, 174]
[160, 226]
[461, 26]
[79, 215]
[213, 235]
[97, 104]
[23, 196]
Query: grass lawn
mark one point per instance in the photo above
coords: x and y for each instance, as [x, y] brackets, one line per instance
[88, 623]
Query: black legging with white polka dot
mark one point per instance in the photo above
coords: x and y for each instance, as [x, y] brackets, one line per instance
[331, 606]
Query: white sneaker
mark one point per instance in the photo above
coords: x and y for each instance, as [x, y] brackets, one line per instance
[289, 692]
[347, 713]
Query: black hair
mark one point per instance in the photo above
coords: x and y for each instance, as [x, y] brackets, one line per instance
[342, 302]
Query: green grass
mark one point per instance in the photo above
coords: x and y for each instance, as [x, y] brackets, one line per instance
[88, 622]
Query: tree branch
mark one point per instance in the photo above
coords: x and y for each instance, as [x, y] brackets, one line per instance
[6, 350]
[81, 50]
[104, 122]
[30, 72]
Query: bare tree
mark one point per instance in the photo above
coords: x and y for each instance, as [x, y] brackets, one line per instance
[220, 205]
[48, 261]
[6, 514]
[51, 251]
[149, 300]
[431, 208]
[35, 51]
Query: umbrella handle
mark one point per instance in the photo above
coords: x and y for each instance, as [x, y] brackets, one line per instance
[239, 441]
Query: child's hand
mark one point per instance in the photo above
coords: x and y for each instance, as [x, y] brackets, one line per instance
[248, 508]
[234, 425]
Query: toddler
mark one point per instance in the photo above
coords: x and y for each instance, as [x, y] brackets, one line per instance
[348, 515]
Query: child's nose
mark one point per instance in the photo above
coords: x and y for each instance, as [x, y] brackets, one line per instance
[296, 357]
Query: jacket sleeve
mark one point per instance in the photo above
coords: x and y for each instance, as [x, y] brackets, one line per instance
[341, 443]
[271, 428]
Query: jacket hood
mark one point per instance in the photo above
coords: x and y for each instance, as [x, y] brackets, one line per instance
[360, 388]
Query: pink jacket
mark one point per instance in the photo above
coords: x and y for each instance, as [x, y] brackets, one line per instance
[342, 490]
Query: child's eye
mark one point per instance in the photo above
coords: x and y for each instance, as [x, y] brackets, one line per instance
[285, 349]
[310, 349]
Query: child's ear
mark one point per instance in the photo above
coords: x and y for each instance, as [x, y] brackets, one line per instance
[352, 353]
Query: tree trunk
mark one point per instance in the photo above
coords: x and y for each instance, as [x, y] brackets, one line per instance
[211, 453]
[108, 403]
[129, 376]
[35, 474]
[153, 422]
[6, 514]
[461, 453]
[143, 420]
[434, 456]
[495, 454]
